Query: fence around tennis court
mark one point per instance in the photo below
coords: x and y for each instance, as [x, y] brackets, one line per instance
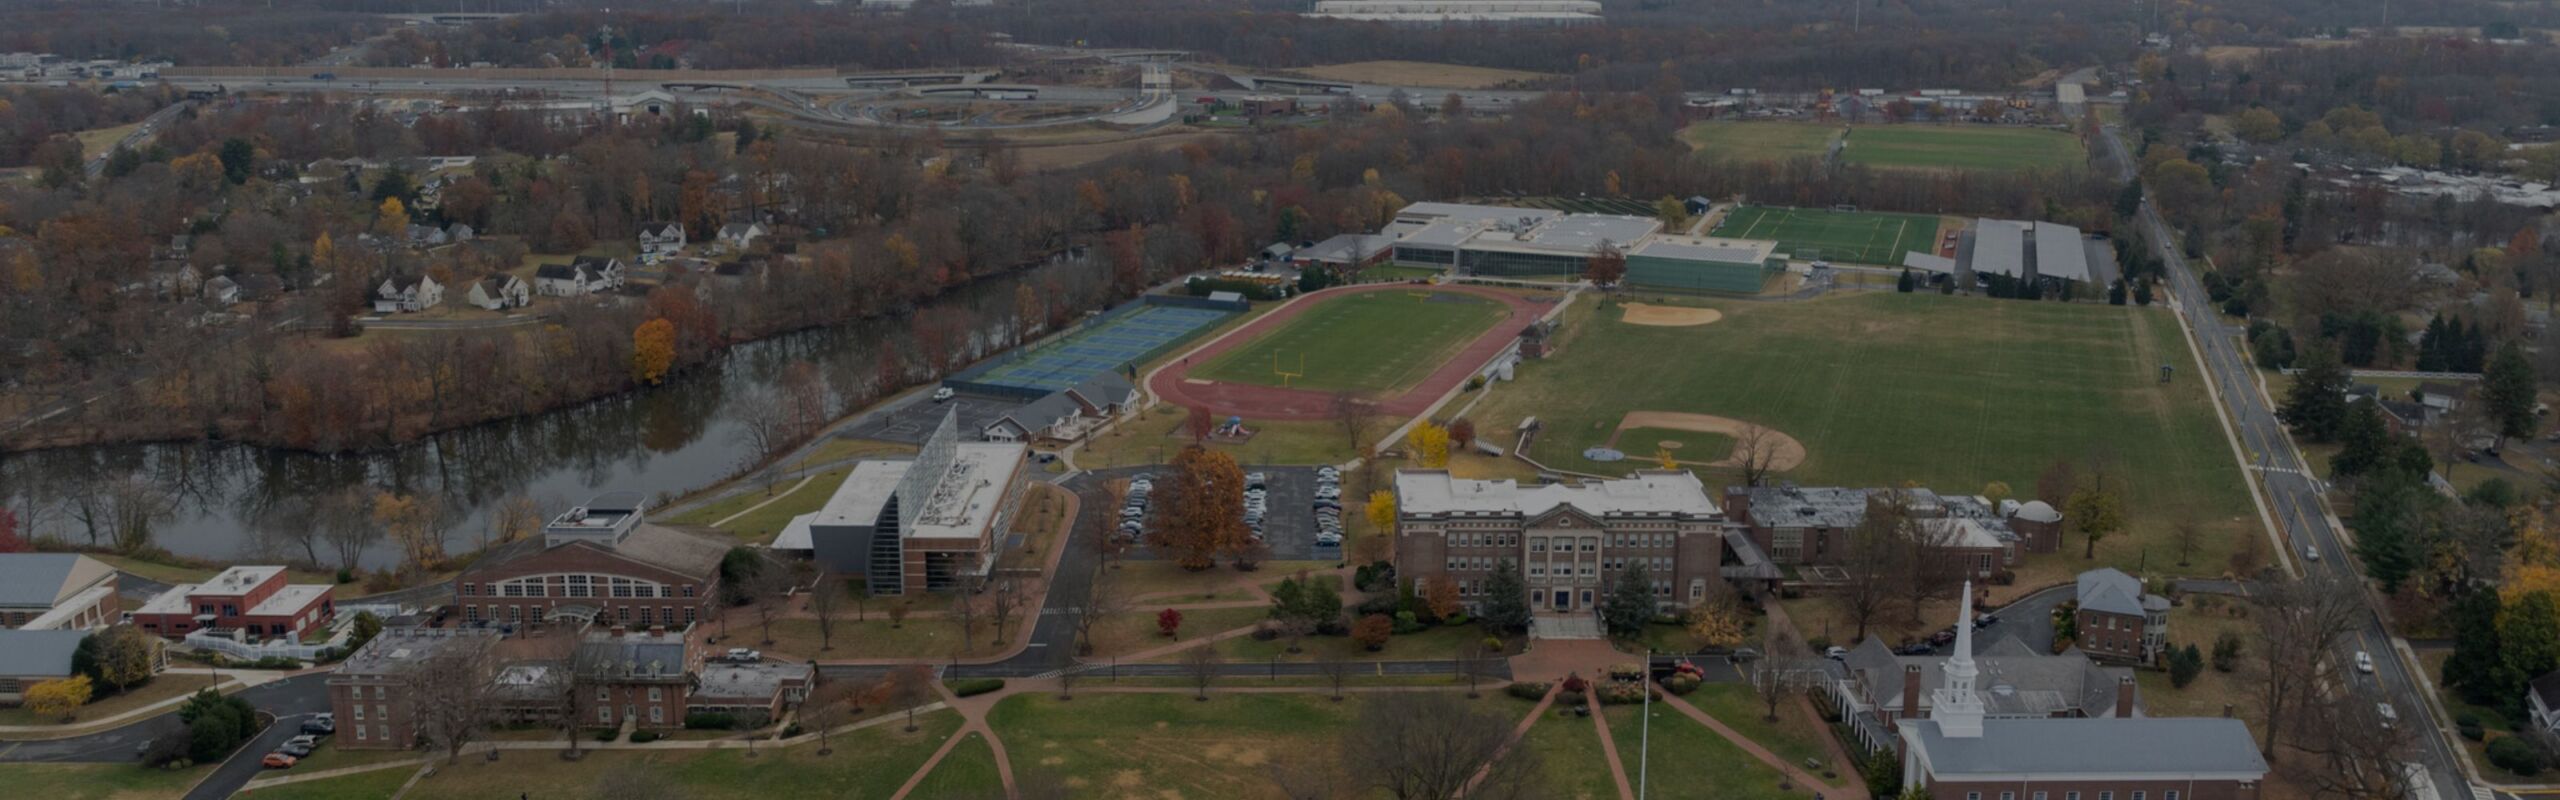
[1074, 355]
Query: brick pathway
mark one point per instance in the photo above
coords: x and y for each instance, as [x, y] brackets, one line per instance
[1793, 772]
[1608, 742]
[1517, 733]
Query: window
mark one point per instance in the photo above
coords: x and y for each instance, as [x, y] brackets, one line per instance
[653, 694]
[604, 714]
[657, 714]
[468, 590]
[604, 695]
[2040, 795]
[2171, 794]
[360, 733]
[471, 613]
[382, 712]
[2107, 795]
[688, 615]
[1590, 544]
[2008, 796]
[1537, 545]
[382, 732]
[359, 714]
[1537, 570]
[688, 592]
[2137, 794]
[377, 693]
[1973, 796]
[2071, 795]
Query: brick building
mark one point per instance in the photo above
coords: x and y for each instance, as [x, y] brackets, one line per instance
[56, 591]
[1811, 525]
[601, 561]
[1963, 752]
[254, 600]
[374, 692]
[639, 677]
[918, 525]
[755, 693]
[1570, 541]
[2117, 620]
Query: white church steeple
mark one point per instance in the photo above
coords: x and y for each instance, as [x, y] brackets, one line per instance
[1955, 706]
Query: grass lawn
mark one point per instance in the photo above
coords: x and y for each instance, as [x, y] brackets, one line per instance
[1796, 735]
[1640, 443]
[1867, 237]
[1153, 438]
[1167, 745]
[102, 141]
[1972, 147]
[1569, 756]
[98, 781]
[868, 763]
[1691, 760]
[1131, 631]
[969, 772]
[920, 637]
[1337, 344]
[1044, 521]
[1981, 391]
[1436, 643]
[161, 688]
[1139, 578]
[374, 784]
[2193, 624]
[764, 523]
[1759, 141]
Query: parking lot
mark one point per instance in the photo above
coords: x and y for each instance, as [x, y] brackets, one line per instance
[1289, 526]
[912, 422]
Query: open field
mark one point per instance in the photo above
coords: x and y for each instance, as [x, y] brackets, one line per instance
[1421, 73]
[1982, 391]
[99, 141]
[1131, 631]
[1336, 345]
[1759, 141]
[1435, 643]
[1569, 754]
[1857, 236]
[1691, 761]
[1166, 744]
[969, 772]
[377, 783]
[872, 762]
[921, 637]
[1641, 443]
[97, 781]
[1970, 147]
[1796, 735]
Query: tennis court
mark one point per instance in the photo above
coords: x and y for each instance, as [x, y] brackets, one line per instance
[1855, 236]
[1101, 347]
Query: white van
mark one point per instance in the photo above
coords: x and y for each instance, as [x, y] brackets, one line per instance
[2389, 717]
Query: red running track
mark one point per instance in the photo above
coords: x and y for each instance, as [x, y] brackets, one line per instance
[1172, 383]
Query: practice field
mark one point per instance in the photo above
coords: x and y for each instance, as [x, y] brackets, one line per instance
[1883, 388]
[1373, 342]
[1101, 347]
[1760, 140]
[1970, 147]
[1863, 237]
[1422, 73]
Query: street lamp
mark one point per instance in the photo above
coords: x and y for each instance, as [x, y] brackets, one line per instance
[1644, 741]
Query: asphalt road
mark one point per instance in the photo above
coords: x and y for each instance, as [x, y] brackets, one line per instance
[2293, 496]
[297, 695]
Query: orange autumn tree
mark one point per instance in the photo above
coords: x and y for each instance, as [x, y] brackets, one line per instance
[653, 350]
[1200, 513]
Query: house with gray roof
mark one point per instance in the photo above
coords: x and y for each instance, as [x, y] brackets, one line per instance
[1962, 748]
[1886, 688]
[1068, 414]
[2117, 620]
[46, 591]
[30, 657]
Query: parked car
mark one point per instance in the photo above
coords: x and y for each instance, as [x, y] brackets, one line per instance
[2364, 662]
[1836, 653]
[744, 655]
[2389, 716]
[278, 761]
[2310, 552]
[1917, 649]
[323, 723]
[942, 394]
[296, 749]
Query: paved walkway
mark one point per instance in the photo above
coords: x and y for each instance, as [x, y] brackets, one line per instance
[1794, 772]
[778, 495]
[1608, 742]
[1518, 732]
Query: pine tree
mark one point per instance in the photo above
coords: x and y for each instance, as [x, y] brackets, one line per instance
[2386, 523]
[2474, 668]
[1288, 600]
[2507, 385]
[1905, 284]
[2366, 439]
[2184, 665]
[2316, 406]
[1630, 601]
[2431, 347]
[2142, 292]
[1506, 605]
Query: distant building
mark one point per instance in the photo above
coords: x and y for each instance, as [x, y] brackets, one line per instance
[1811, 524]
[659, 240]
[2046, 254]
[1462, 12]
[2117, 620]
[602, 562]
[56, 591]
[399, 295]
[374, 692]
[500, 292]
[918, 525]
[1501, 241]
[738, 235]
[1571, 542]
[755, 694]
[252, 600]
[2542, 702]
[1068, 414]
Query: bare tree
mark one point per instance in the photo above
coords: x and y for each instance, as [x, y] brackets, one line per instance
[829, 707]
[1357, 418]
[825, 598]
[769, 593]
[1874, 560]
[964, 611]
[2360, 756]
[1423, 746]
[764, 422]
[454, 698]
[1067, 679]
[291, 525]
[2298, 623]
[2188, 535]
[1475, 663]
[345, 518]
[1775, 678]
[572, 670]
[1100, 599]
[515, 517]
[1108, 544]
[1755, 452]
[1200, 664]
[1336, 671]
[909, 688]
[1001, 605]
[1932, 568]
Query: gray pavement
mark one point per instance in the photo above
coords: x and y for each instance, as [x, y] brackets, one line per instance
[296, 695]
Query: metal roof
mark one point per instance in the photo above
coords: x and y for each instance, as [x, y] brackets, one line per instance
[1999, 247]
[30, 654]
[1701, 248]
[2058, 252]
[39, 579]
[2182, 747]
[1648, 492]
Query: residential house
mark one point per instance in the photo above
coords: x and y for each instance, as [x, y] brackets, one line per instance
[222, 291]
[2117, 620]
[251, 599]
[603, 562]
[738, 235]
[500, 292]
[754, 693]
[2542, 702]
[2440, 397]
[29, 657]
[43, 591]
[606, 273]
[407, 294]
[426, 236]
[259, 288]
[459, 232]
[562, 280]
[175, 280]
[375, 694]
[659, 240]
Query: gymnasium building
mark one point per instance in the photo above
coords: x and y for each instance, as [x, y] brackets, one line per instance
[1498, 241]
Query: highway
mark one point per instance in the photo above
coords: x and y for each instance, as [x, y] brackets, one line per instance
[2317, 544]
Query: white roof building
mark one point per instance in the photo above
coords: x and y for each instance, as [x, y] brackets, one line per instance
[1647, 493]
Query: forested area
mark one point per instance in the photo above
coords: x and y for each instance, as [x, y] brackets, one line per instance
[222, 33]
[31, 115]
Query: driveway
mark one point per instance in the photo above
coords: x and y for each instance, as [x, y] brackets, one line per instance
[2030, 619]
[302, 694]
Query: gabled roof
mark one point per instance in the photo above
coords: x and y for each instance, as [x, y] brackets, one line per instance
[654, 545]
[1038, 415]
[2059, 748]
[661, 229]
[2547, 687]
[2108, 590]
[596, 264]
[1104, 388]
[557, 272]
[2015, 679]
[26, 654]
[42, 579]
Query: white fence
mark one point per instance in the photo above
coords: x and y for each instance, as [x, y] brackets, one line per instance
[222, 642]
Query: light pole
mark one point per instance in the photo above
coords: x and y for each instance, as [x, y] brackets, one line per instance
[1644, 740]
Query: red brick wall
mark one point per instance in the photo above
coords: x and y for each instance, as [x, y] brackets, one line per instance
[477, 596]
[385, 721]
[2124, 642]
[2089, 790]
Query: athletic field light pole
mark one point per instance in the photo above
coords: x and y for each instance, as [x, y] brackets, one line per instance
[1644, 741]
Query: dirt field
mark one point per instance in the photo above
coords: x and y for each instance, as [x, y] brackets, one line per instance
[1789, 454]
[1670, 316]
[1421, 73]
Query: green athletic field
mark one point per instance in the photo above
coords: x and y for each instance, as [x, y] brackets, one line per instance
[1969, 147]
[1374, 342]
[1863, 237]
[1759, 140]
[1883, 388]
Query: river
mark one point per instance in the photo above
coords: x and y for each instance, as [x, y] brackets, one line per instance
[663, 441]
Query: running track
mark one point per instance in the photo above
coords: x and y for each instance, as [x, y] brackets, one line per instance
[1173, 384]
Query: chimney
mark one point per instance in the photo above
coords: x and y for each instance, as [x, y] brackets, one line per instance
[1910, 691]
[2124, 698]
[2226, 711]
[657, 631]
[618, 631]
[1737, 502]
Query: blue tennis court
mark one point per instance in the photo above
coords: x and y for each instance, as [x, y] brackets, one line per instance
[1102, 347]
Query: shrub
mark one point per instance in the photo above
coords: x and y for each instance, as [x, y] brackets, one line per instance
[1681, 684]
[709, 721]
[1616, 693]
[1459, 618]
[1574, 684]
[605, 734]
[1626, 671]
[1528, 691]
[2513, 754]
[2472, 730]
[1406, 622]
[643, 737]
[971, 687]
[2226, 652]
[791, 730]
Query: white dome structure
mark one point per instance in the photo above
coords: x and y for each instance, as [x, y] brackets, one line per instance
[2038, 511]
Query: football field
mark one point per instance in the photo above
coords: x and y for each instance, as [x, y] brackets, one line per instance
[1372, 342]
[1861, 237]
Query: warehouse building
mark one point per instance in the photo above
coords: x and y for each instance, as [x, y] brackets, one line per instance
[1703, 263]
[2048, 254]
[1498, 241]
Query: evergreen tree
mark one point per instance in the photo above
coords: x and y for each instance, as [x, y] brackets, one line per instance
[1288, 600]
[1905, 283]
[2367, 441]
[2184, 665]
[2386, 524]
[2431, 347]
[1320, 603]
[2142, 292]
[2507, 385]
[1630, 601]
[2129, 200]
[2115, 293]
[2316, 406]
[1506, 605]
[2476, 664]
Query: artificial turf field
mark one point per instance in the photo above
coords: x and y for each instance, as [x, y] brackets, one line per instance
[1371, 342]
[1883, 388]
[1865, 237]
